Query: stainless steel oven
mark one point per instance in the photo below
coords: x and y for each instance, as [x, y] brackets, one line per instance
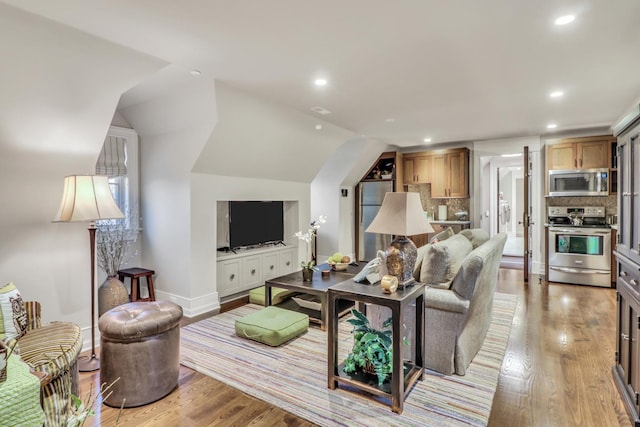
[579, 251]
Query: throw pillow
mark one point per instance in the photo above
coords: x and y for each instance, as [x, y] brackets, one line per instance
[14, 315]
[443, 235]
[442, 260]
[477, 236]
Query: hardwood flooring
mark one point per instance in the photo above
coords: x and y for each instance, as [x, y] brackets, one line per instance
[556, 371]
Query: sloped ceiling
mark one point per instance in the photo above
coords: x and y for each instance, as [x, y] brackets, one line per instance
[451, 70]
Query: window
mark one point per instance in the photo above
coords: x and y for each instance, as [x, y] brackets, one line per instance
[118, 160]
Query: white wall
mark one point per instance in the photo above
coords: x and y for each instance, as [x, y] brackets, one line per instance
[199, 146]
[174, 127]
[342, 170]
[59, 91]
[206, 191]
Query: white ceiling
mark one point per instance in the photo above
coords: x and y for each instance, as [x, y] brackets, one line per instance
[451, 70]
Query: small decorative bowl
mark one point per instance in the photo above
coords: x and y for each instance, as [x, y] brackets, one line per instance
[338, 266]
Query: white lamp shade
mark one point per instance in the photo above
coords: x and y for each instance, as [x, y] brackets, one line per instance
[401, 214]
[87, 198]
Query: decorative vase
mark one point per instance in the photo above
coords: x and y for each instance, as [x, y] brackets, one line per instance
[307, 275]
[111, 293]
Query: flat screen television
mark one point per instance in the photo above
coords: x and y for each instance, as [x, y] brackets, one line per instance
[255, 222]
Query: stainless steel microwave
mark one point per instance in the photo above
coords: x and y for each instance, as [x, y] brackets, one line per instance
[584, 182]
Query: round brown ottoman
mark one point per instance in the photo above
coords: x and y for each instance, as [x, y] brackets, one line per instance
[140, 347]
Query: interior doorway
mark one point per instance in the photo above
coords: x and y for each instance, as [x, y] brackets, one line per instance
[509, 199]
[510, 204]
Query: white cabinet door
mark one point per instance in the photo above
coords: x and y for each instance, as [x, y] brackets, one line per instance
[288, 261]
[252, 272]
[228, 277]
[270, 265]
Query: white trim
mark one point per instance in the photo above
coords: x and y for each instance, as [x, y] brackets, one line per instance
[192, 307]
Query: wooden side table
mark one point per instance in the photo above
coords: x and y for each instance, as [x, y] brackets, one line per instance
[398, 302]
[135, 274]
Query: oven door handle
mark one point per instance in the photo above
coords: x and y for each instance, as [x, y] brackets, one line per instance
[585, 232]
[575, 270]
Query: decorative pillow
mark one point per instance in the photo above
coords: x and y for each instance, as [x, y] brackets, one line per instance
[442, 260]
[476, 236]
[443, 235]
[416, 269]
[13, 322]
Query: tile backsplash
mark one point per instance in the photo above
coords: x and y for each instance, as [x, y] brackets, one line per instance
[431, 205]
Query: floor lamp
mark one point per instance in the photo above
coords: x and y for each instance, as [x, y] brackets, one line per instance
[88, 198]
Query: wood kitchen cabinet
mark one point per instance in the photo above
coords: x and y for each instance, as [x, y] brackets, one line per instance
[450, 174]
[628, 193]
[579, 153]
[417, 169]
[626, 370]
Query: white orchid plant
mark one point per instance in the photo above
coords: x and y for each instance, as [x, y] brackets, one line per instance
[308, 238]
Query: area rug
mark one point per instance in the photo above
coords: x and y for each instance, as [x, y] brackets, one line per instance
[294, 376]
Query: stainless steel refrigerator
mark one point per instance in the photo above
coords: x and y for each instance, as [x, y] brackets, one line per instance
[371, 196]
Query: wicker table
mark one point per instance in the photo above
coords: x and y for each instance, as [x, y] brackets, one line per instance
[397, 302]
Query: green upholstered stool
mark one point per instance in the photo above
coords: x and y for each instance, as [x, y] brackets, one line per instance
[278, 295]
[272, 325]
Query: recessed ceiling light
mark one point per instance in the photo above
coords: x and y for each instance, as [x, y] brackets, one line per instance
[552, 126]
[320, 82]
[563, 20]
[390, 120]
[556, 94]
[318, 126]
[195, 72]
[426, 140]
[321, 110]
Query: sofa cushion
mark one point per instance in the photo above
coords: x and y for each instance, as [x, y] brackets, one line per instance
[13, 315]
[442, 260]
[443, 235]
[477, 236]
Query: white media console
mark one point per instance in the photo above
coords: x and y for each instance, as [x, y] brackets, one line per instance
[248, 269]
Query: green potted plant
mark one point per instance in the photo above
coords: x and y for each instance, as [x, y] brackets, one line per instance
[372, 348]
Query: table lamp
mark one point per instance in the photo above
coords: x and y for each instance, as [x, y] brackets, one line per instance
[401, 214]
[88, 198]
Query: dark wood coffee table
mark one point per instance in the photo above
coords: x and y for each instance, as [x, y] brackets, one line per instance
[317, 287]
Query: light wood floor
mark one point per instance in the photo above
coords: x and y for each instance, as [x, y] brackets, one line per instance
[556, 372]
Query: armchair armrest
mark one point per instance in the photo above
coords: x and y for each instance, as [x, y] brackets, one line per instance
[445, 299]
[33, 314]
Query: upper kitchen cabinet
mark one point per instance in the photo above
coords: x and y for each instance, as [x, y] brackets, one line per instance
[417, 168]
[450, 174]
[579, 153]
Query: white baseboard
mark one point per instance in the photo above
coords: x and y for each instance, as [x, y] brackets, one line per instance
[192, 307]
